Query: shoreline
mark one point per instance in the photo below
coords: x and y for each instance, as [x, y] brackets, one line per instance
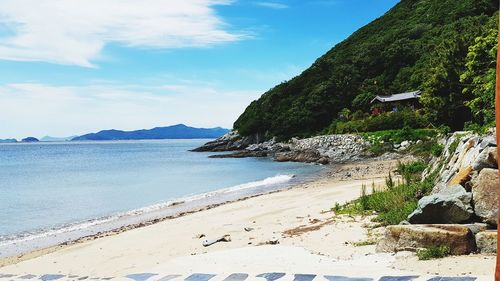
[292, 230]
[145, 216]
[336, 172]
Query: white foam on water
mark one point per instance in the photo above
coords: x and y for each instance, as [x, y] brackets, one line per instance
[278, 180]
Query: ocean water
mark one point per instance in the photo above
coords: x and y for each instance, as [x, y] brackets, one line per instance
[54, 192]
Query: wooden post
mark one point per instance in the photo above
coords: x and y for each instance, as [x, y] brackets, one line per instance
[497, 117]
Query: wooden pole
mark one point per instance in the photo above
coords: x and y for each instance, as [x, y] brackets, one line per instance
[497, 117]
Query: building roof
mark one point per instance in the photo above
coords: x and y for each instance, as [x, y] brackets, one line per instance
[398, 97]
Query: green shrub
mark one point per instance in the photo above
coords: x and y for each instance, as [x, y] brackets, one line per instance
[397, 215]
[378, 148]
[398, 136]
[478, 129]
[434, 252]
[427, 148]
[394, 203]
[358, 123]
[412, 168]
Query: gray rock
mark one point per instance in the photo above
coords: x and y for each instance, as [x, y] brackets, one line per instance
[451, 205]
[486, 242]
[486, 159]
[405, 144]
[477, 227]
[488, 141]
[485, 194]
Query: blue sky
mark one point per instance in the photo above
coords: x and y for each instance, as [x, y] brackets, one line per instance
[71, 67]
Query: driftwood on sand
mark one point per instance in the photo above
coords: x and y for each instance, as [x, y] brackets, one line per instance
[225, 238]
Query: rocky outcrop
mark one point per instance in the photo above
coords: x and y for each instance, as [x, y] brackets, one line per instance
[485, 194]
[452, 205]
[469, 164]
[486, 242]
[241, 154]
[229, 142]
[464, 154]
[306, 156]
[337, 148]
[458, 238]
[322, 149]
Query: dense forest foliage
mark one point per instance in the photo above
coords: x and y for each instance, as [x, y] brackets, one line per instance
[445, 48]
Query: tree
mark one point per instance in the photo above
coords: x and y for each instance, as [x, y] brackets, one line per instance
[479, 77]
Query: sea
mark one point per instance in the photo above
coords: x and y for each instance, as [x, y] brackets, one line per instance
[55, 192]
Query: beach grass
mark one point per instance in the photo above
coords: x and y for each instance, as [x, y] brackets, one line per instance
[393, 203]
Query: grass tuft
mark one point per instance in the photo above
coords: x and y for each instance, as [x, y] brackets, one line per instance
[394, 203]
[434, 252]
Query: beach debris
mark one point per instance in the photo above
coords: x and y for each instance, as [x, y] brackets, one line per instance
[200, 277]
[199, 236]
[248, 229]
[273, 241]
[225, 238]
[314, 221]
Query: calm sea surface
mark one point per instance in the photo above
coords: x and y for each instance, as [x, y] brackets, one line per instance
[48, 186]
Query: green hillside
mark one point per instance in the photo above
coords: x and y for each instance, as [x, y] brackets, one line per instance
[445, 48]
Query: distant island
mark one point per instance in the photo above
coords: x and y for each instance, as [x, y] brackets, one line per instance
[56, 139]
[30, 139]
[8, 140]
[179, 131]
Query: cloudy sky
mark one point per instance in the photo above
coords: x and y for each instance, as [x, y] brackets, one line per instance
[69, 67]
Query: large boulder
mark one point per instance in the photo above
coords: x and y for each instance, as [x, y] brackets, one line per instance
[485, 194]
[451, 205]
[488, 158]
[458, 238]
[486, 242]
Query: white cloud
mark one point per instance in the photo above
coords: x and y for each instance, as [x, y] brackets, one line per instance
[75, 31]
[272, 5]
[39, 110]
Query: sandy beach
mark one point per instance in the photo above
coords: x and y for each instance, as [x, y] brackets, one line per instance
[292, 231]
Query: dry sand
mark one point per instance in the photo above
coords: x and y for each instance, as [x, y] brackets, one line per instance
[311, 240]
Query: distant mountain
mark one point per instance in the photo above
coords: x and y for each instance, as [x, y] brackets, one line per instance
[180, 131]
[8, 140]
[30, 139]
[53, 139]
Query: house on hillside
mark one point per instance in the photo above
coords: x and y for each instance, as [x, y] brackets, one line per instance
[394, 102]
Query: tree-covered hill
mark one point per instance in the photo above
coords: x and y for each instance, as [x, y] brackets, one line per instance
[445, 48]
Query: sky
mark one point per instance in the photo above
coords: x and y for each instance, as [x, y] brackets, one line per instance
[70, 67]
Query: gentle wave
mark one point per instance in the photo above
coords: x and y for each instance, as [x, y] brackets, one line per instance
[35, 235]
